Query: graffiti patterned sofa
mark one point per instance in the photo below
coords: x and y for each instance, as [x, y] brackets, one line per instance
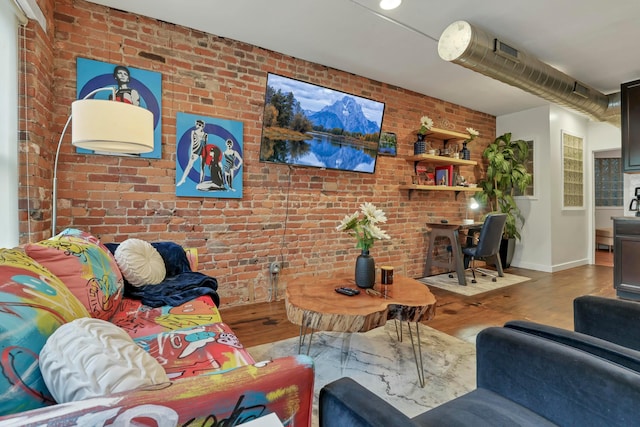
[85, 340]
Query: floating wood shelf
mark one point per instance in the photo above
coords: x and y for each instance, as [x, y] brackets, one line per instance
[446, 135]
[454, 188]
[440, 188]
[441, 160]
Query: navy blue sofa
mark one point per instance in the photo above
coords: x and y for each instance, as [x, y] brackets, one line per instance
[606, 327]
[523, 379]
[610, 319]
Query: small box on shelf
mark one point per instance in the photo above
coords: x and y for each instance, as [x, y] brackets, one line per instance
[426, 178]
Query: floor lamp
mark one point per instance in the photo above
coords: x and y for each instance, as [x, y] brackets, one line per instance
[106, 126]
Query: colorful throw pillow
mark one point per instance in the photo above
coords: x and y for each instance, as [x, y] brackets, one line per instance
[74, 232]
[33, 304]
[86, 267]
[140, 263]
[92, 358]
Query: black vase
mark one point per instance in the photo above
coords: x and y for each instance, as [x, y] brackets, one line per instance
[420, 146]
[365, 270]
[466, 154]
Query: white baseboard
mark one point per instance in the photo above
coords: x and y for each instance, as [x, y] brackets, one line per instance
[551, 268]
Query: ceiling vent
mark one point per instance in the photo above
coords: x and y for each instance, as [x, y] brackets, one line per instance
[473, 48]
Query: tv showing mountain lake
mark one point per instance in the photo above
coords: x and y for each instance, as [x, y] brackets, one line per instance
[310, 125]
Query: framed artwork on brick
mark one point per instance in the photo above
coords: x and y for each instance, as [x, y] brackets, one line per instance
[209, 157]
[388, 145]
[133, 86]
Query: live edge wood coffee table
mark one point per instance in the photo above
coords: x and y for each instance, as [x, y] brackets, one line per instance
[313, 304]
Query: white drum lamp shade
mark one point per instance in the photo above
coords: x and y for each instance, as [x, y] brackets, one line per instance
[111, 126]
[104, 126]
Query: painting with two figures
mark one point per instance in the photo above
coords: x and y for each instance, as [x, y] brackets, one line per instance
[209, 157]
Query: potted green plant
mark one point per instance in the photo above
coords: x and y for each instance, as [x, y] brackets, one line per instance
[506, 172]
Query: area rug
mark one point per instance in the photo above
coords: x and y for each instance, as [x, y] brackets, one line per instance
[386, 366]
[443, 281]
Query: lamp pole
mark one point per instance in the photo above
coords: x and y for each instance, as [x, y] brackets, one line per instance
[54, 197]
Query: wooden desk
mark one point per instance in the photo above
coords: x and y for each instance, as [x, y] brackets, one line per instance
[313, 303]
[449, 230]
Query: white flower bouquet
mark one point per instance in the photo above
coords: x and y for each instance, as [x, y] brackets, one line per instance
[472, 134]
[425, 124]
[362, 225]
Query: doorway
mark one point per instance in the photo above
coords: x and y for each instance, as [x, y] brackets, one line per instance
[604, 257]
[608, 202]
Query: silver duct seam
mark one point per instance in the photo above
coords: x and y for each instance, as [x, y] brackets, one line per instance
[474, 48]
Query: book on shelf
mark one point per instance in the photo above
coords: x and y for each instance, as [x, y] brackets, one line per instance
[444, 175]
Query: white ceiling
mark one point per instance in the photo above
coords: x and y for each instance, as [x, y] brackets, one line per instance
[594, 41]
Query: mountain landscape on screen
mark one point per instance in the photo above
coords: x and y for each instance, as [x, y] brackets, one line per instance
[310, 125]
[344, 114]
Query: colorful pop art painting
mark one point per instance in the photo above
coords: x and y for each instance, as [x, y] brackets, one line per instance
[132, 85]
[209, 157]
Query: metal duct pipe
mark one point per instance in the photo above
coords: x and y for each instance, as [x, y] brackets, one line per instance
[473, 48]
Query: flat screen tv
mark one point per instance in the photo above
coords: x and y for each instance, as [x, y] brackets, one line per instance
[310, 125]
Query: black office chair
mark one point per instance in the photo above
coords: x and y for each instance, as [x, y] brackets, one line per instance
[488, 247]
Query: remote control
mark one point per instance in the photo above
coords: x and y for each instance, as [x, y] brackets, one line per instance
[347, 291]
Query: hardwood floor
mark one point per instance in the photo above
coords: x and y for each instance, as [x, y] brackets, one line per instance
[546, 298]
[604, 257]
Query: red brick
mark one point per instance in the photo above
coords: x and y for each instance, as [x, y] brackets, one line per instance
[285, 215]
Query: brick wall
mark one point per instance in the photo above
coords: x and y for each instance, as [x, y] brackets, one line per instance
[286, 215]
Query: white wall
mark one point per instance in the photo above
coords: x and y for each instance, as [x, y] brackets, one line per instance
[9, 65]
[569, 226]
[533, 251]
[603, 215]
[554, 238]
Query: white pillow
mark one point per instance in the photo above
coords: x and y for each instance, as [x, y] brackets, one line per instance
[140, 263]
[91, 358]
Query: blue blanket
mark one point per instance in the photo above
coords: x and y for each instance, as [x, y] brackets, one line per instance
[176, 290]
[180, 285]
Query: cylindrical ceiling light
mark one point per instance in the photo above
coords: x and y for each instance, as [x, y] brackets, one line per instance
[389, 4]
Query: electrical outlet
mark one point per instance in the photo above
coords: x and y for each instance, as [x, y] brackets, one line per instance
[274, 268]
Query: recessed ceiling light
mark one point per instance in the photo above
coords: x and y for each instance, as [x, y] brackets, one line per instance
[389, 4]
